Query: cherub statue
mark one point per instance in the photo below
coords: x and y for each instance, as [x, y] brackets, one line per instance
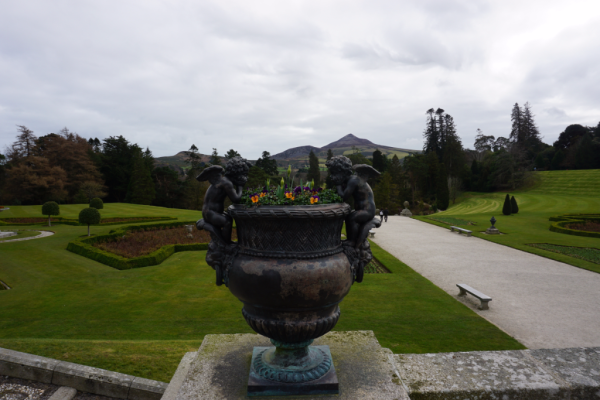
[362, 219]
[230, 184]
[223, 183]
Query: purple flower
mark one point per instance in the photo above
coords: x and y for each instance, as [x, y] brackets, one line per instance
[306, 188]
[297, 190]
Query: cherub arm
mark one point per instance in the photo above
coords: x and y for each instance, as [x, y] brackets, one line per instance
[234, 195]
[350, 188]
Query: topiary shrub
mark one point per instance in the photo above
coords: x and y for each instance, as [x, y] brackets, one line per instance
[50, 208]
[514, 208]
[89, 216]
[507, 209]
[97, 203]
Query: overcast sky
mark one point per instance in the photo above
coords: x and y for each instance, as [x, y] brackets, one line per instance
[270, 75]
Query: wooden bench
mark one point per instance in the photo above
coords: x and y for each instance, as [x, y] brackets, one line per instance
[460, 230]
[464, 289]
[372, 233]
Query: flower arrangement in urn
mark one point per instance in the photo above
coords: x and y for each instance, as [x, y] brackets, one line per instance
[289, 267]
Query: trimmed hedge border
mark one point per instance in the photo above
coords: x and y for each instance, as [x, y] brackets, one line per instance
[75, 222]
[559, 224]
[84, 247]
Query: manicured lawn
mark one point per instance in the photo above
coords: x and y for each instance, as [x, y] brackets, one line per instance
[141, 321]
[559, 192]
[21, 234]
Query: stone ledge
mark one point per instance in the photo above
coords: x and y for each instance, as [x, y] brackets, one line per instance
[522, 374]
[81, 377]
[221, 367]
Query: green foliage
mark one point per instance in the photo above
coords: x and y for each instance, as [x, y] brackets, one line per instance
[89, 216]
[50, 208]
[80, 198]
[560, 224]
[314, 172]
[97, 203]
[507, 207]
[267, 164]
[584, 253]
[379, 161]
[442, 194]
[232, 153]
[117, 158]
[514, 208]
[214, 157]
[141, 186]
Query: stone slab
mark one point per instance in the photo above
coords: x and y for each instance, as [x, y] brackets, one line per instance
[179, 376]
[7, 234]
[578, 367]
[92, 380]
[259, 386]
[64, 393]
[26, 366]
[365, 370]
[146, 389]
[481, 374]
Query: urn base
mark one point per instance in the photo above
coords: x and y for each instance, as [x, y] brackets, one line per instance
[310, 373]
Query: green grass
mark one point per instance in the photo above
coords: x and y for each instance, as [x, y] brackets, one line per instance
[21, 235]
[592, 255]
[450, 220]
[141, 321]
[581, 194]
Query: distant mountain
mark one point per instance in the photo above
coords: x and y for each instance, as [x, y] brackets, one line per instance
[345, 145]
[298, 156]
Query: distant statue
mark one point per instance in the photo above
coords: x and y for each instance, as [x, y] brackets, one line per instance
[360, 221]
[223, 183]
[406, 212]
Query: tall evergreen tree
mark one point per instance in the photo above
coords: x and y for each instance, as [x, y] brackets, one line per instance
[442, 194]
[531, 134]
[431, 134]
[141, 186]
[314, 172]
[514, 207]
[214, 157]
[117, 160]
[379, 161]
[516, 131]
[232, 153]
[442, 130]
[507, 207]
[267, 164]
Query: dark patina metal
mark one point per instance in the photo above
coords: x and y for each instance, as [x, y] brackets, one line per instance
[291, 270]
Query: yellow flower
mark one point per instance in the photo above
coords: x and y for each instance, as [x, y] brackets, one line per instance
[313, 200]
[254, 199]
[263, 194]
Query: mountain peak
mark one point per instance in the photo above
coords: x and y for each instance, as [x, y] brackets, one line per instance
[348, 141]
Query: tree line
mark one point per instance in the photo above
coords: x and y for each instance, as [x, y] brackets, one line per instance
[66, 168]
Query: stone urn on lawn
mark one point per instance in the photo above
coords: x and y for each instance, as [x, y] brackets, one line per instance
[289, 268]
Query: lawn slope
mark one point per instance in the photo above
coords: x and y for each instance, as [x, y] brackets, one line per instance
[142, 321]
[558, 192]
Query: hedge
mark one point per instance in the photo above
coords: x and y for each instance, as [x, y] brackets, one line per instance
[84, 247]
[75, 222]
[559, 224]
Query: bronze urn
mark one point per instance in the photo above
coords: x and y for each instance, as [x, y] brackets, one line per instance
[290, 269]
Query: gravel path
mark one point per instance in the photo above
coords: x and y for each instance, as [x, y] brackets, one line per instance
[541, 302]
[41, 235]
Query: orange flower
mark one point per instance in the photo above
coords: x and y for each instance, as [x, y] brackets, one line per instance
[254, 199]
[263, 194]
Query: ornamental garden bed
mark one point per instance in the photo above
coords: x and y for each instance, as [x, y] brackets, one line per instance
[70, 221]
[89, 246]
[577, 224]
[138, 243]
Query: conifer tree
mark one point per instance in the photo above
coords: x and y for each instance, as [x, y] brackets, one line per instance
[379, 161]
[431, 134]
[516, 131]
[514, 208]
[442, 192]
[214, 157]
[507, 208]
[141, 186]
[314, 172]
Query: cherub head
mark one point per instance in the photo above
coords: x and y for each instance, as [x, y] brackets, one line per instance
[236, 170]
[340, 168]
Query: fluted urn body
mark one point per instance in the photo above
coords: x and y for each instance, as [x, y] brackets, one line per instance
[290, 271]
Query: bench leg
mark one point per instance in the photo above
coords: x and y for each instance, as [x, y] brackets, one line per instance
[484, 305]
[463, 292]
[468, 234]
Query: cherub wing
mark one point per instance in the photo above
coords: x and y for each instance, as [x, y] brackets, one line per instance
[214, 171]
[365, 171]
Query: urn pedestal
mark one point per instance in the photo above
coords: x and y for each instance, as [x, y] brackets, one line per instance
[291, 273]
